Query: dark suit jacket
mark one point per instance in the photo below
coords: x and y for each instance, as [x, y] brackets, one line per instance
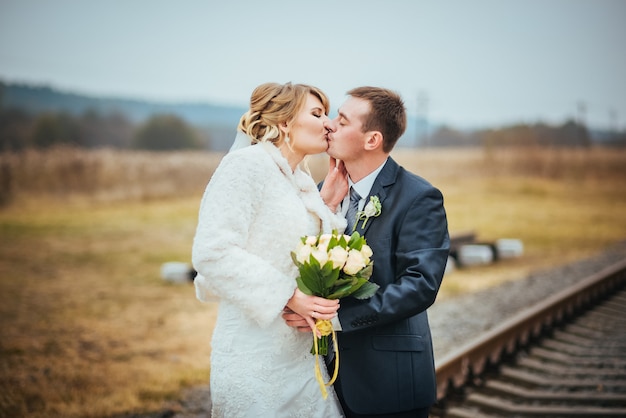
[386, 356]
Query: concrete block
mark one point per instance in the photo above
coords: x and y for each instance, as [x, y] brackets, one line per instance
[450, 265]
[509, 248]
[475, 254]
[177, 272]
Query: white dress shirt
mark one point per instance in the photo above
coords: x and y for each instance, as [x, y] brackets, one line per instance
[362, 187]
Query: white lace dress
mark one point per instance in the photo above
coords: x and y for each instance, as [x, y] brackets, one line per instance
[252, 215]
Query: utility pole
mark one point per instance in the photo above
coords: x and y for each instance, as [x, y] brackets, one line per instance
[422, 119]
[613, 121]
[581, 111]
[581, 128]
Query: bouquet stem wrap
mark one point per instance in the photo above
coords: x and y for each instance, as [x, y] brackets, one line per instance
[325, 328]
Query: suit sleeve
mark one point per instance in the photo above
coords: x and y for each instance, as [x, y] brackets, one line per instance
[408, 265]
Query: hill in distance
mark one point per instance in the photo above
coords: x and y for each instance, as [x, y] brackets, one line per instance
[221, 120]
[39, 99]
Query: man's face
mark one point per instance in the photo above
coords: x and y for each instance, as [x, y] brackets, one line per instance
[346, 141]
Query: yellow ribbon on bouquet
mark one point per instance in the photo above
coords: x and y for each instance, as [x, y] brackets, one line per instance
[325, 327]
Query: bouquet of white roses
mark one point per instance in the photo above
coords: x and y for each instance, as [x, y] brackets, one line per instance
[333, 266]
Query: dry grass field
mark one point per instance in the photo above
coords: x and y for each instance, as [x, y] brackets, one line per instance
[89, 329]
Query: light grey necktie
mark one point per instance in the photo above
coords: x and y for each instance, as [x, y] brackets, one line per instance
[352, 210]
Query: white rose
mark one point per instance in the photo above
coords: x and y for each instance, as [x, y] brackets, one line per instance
[338, 256]
[320, 255]
[366, 252]
[311, 240]
[354, 263]
[325, 239]
[370, 209]
[303, 252]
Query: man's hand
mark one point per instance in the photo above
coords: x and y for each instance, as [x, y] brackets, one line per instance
[335, 185]
[294, 320]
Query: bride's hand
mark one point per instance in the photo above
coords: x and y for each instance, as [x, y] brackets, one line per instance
[311, 308]
[335, 185]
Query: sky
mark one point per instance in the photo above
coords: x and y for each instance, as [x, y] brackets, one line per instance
[459, 62]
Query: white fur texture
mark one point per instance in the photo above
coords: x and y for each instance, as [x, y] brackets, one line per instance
[254, 211]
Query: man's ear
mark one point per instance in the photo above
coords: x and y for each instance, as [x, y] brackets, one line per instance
[374, 141]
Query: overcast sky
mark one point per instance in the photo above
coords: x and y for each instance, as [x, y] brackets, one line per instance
[462, 62]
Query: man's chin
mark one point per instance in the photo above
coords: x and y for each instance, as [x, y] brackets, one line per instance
[329, 150]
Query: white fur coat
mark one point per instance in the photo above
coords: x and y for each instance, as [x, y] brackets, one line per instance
[254, 211]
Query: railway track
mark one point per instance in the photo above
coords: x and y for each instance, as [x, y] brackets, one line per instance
[564, 357]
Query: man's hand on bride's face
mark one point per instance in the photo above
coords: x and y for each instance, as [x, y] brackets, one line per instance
[335, 185]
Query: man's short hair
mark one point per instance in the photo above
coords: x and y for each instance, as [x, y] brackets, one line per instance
[387, 113]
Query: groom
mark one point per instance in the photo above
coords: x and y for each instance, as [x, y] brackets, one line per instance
[386, 356]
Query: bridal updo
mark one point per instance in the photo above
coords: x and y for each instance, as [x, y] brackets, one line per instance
[273, 104]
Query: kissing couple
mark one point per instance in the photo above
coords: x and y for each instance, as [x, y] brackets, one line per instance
[260, 202]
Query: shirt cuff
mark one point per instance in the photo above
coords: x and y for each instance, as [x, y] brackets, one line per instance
[336, 324]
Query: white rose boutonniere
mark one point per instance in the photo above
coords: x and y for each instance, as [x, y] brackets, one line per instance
[371, 210]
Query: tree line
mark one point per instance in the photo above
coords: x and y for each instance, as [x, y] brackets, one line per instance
[24, 127]
[570, 133]
[20, 130]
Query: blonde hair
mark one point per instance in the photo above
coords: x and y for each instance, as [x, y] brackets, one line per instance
[272, 104]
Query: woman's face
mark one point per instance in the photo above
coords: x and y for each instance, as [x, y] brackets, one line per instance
[308, 131]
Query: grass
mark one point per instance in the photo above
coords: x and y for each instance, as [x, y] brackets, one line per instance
[557, 222]
[88, 328]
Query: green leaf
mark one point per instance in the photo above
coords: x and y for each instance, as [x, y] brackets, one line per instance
[341, 282]
[356, 241]
[341, 292]
[327, 268]
[366, 273]
[366, 291]
[356, 284]
[330, 275]
[295, 260]
[313, 262]
[303, 288]
[310, 275]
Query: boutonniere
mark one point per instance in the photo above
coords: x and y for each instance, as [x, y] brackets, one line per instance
[371, 210]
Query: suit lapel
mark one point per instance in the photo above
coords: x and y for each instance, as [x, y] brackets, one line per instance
[385, 179]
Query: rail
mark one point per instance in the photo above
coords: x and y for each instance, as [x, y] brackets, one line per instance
[455, 369]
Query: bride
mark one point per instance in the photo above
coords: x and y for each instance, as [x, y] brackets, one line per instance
[255, 208]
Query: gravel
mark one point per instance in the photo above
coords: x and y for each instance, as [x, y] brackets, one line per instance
[454, 321]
